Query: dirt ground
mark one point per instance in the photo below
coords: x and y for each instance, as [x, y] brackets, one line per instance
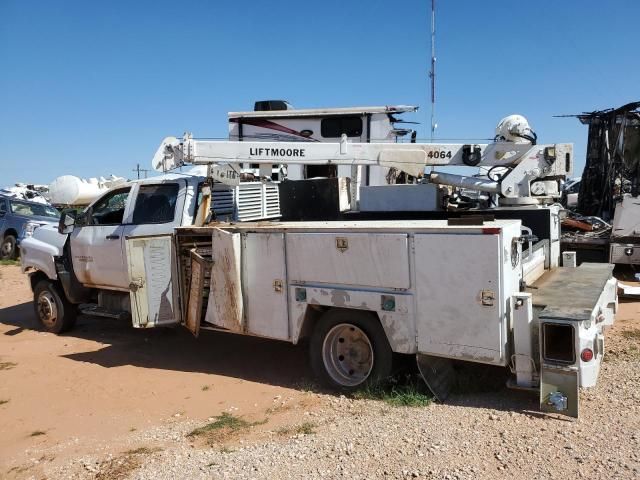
[91, 389]
[107, 401]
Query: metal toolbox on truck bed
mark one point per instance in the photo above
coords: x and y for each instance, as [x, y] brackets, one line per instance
[424, 279]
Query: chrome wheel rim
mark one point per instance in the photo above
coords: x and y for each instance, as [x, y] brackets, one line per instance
[47, 309]
[347, 354]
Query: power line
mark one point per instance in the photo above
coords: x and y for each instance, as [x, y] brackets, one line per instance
[139, 170]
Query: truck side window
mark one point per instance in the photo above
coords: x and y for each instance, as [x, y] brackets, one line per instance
[3, 206]
[110, 210]
[156, 203]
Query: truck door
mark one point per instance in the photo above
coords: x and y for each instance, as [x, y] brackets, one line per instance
[153, 291]
[157, 210]
[97, 245]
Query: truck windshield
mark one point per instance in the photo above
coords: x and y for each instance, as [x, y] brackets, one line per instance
[33, 209]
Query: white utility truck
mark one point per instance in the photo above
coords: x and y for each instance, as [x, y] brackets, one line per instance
[453, 290]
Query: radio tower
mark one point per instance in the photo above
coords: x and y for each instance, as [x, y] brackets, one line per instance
[432, 72]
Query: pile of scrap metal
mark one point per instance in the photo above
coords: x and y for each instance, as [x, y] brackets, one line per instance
[613, 159]
[29, 192]
[611, 180]
[588, 225]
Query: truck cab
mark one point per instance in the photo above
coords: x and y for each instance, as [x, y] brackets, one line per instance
[82, 265]
[140, 208]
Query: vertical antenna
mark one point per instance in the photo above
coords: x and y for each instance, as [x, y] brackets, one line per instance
[432, 72]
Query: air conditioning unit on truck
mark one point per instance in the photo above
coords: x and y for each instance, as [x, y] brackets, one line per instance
[472, 289]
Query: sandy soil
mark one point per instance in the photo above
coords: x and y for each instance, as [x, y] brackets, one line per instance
[90, 389]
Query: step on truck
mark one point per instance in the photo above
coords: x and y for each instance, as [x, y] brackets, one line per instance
[475, 289]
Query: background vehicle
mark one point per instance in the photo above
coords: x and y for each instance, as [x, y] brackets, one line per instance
[18, 220]
[570, 192]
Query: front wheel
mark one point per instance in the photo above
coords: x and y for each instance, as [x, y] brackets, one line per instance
[9, 248]
[53, 310]
[349, 350]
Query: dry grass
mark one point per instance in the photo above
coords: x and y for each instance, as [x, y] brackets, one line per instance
[143, 451]
[308, 386]
[407, 391]
[278, 408]
[3, 401]
[120, 468]
[7, 365]
[307, 428]
[631, 334]
[223, 428]
[37, 433]
[20, 469]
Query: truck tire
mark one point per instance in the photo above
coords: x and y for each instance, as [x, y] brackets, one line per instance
[349, 350]
[52, 308]
[9, 248]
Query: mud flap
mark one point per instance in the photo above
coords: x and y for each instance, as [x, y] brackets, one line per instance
[438, 374]
[559, 391]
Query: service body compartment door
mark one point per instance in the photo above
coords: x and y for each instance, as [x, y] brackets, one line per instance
[460, 311]
[265, 285]
[151, 272]
[225, 307]
[379, 260]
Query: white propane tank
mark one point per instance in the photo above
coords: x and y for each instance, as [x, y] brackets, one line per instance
[71, 190]
[516, 129]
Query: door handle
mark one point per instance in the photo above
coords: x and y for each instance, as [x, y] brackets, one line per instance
[113, 237]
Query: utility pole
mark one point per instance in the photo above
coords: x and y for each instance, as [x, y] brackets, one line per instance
[432, 72]
[138, 170]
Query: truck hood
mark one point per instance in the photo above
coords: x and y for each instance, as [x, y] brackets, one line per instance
[39, 250]
[48, 233]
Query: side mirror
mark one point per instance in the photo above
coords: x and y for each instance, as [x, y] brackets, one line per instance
[2, 213]
[67, 222]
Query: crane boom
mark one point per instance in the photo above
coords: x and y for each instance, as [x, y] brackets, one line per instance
[525, 162]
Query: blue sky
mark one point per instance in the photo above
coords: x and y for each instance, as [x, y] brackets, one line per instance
[91, 88]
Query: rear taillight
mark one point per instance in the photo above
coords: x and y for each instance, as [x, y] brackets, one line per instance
[586, 355]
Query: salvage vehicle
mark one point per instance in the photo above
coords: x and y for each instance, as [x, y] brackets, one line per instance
[471, 289]
[88, 267]
[18, 220]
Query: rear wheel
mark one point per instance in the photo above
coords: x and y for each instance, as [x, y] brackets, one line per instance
[53, 310]
[9, 248]
[349, 350]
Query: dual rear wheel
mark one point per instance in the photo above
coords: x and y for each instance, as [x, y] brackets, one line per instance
[349, 350]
